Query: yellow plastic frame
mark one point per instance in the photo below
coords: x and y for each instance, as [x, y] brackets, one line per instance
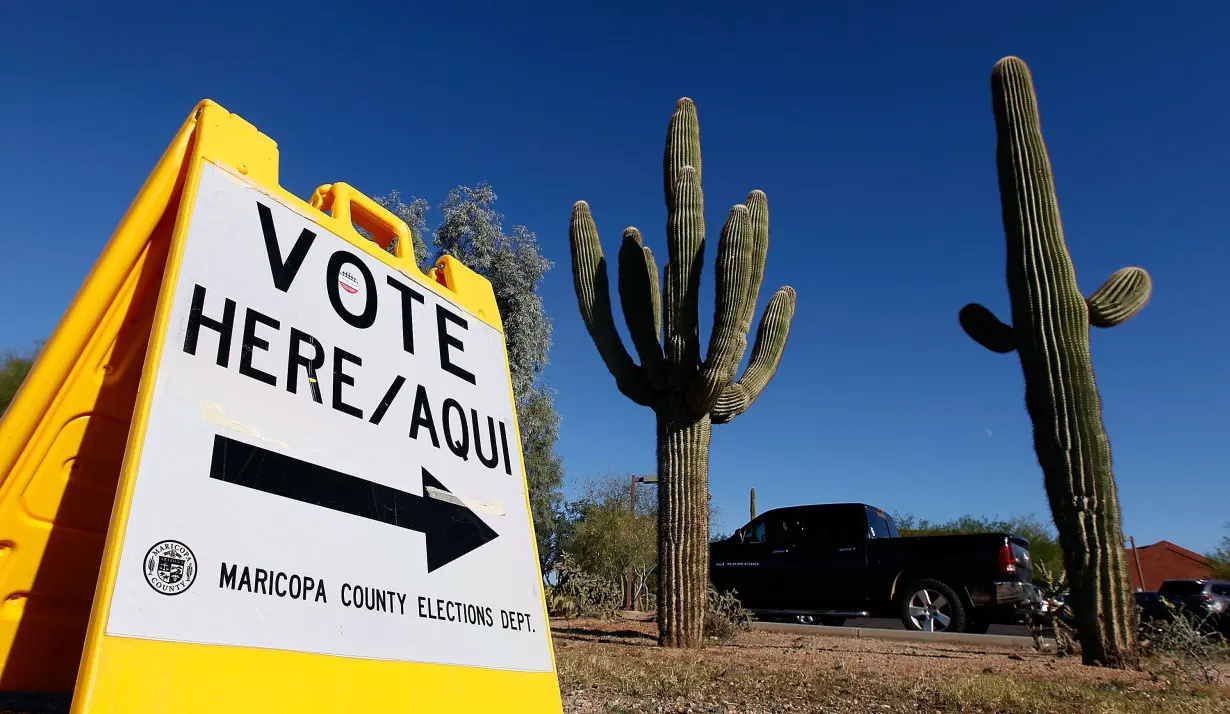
[82, 384]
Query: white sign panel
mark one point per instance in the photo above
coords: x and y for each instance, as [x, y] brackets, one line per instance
[331, 464]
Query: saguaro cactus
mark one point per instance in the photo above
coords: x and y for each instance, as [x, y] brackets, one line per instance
[753, 503]
[686, 393]
[1050, 334]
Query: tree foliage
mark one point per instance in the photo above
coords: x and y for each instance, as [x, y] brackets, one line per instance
[472, 231]
[1043, 542]
[606, 537]
[602, 537]
[14, 366]
[1221, 558]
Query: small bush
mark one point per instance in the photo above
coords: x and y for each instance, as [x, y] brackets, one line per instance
[725, 616]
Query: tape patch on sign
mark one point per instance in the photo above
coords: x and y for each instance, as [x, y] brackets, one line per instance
[214, 415]
[494, 508]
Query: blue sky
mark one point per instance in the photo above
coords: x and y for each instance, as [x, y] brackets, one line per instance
[868, 125]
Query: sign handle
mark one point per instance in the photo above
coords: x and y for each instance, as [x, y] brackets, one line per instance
[351, 208]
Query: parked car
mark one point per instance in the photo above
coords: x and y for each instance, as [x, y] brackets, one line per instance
[1207, 601]
[830, 562]
[1150, 604]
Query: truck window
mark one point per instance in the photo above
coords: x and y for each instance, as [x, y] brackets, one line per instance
[878, 525]
[778, 530]
[755, 532]
[837, 527]
[1181, 587]
[793, 530]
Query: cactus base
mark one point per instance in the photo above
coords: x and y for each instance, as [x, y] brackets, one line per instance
[1101, 598]
[683, 526]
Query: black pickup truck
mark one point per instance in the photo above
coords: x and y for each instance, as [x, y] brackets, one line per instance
[826, 563]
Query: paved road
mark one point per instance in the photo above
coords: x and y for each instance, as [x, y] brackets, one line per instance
[894, 624]
[878, 623]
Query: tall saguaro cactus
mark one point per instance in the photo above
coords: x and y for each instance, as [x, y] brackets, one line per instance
[752, 505]
[686, 392]
[1050, 334]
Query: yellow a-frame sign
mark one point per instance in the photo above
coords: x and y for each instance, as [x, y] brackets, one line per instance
[265, 465]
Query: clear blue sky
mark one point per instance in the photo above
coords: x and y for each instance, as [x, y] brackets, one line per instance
[869, 126]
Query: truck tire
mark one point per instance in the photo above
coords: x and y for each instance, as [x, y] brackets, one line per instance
[832, 621]
[928, 605]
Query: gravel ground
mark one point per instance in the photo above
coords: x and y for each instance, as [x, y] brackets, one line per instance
[613, 667]
[616, 668]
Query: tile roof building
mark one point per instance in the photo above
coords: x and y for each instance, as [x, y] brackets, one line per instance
[1165, 561]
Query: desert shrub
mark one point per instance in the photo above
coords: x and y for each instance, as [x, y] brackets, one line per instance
[725, 616]
[582, 594]
[1184, 650]
[1057, 620]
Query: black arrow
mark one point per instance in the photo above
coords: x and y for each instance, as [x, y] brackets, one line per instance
[452, 530]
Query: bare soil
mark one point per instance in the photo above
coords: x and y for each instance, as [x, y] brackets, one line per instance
[616, 666]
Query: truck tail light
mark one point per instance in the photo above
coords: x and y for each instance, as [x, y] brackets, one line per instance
[1007, 559]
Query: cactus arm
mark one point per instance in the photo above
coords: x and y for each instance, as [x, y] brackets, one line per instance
[655, 292]
[593, 295]
[726, 342]
[1124, 294]
[637, 297]
[771, 339]
[758, 213]
[986, 329]
[685, 238]
[682, 148]
[668, 297]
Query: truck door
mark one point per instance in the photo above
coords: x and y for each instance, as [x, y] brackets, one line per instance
[829, 563]
[784, 576]
[741, 565]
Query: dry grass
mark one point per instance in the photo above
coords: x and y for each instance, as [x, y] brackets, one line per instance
[616, 667]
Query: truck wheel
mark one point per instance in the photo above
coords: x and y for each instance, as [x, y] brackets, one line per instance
[931, 606]
[833, 621]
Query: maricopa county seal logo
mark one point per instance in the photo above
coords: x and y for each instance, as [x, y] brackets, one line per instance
[170, 567]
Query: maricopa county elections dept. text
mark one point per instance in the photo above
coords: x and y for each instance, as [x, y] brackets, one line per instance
[275, 583]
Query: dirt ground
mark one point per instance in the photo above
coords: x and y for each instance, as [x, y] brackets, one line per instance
[613, 667]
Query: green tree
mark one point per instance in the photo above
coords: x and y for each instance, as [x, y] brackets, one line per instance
[472, 231]
[604, 538]
[1043, 543]
[14, 366]
[1221, 558]
[607, 538]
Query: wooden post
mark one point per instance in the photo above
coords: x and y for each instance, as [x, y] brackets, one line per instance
[629, 582]
[1140, 574]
